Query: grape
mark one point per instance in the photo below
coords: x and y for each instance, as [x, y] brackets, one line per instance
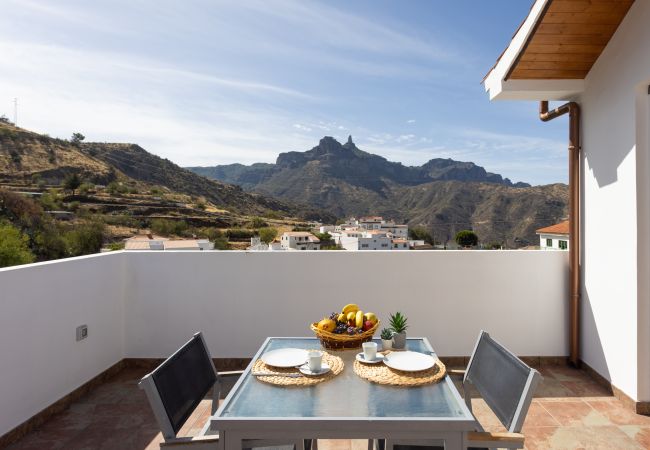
[334, 316]
[351, 330]
[360, 331]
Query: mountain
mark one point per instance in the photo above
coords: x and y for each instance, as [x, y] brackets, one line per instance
[25, 155]
[443, 195]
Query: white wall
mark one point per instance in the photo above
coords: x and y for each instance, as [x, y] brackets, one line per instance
[612, 194]
[240, 298]
[40, 307]
[146, 304]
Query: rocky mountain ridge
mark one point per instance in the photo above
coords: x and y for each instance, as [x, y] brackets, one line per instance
[443, 195]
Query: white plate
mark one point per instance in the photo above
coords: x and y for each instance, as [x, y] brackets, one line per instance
[285, 357]
[324, 368]
[409, 361]
[378, 358]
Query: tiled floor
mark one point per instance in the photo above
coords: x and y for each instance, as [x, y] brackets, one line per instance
[570, 411]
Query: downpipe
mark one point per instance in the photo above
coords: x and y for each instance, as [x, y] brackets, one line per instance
[573, 109]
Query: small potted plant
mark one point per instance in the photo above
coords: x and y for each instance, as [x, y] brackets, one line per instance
[399, 326]
[386, 339]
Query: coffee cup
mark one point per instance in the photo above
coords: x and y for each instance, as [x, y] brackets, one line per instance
[369, 351]
[315, 360]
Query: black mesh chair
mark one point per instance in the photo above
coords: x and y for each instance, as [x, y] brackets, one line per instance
[176, 387]
[507, 386]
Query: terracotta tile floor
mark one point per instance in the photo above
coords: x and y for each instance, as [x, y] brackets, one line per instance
[570, 411]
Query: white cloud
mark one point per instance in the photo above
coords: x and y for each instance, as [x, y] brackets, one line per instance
[410, 121]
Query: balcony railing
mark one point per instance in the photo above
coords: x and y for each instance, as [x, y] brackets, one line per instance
[145, 304]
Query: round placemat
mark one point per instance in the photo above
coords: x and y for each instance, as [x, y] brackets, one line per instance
[382, 374]
[335, 363]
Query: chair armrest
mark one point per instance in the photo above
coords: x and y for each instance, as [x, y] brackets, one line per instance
[504, 440]
[230, 373]
[194, 442]
[456, 372]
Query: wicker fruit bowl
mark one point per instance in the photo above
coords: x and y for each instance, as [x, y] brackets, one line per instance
[343, 341]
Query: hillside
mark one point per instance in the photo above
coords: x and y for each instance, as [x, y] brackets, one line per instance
[27, 157]
[444, 195]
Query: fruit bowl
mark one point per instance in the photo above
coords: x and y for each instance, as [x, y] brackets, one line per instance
[333, 341]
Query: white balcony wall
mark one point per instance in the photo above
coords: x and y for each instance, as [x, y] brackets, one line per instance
[239, 298]
[147, 304]
[40, 307]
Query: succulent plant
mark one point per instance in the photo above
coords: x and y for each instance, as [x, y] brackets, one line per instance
[398, 322]
[386, 334]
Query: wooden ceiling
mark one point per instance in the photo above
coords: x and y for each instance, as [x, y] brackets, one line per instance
[568, 39]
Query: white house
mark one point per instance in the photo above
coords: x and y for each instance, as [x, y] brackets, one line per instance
[366, 240]
[373, 223]
[595, 56]
[299, 240]
[555, 237]
[151, 242]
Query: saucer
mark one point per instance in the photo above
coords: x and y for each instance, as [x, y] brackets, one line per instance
[378, 359]
[304, 369]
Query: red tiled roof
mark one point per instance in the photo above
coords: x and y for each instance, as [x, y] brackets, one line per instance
[558, 228]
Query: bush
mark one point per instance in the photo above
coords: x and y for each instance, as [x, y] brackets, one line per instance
[114, 246]
[270, 214]
[219, 239]
[239, 234]
[324, 237]
[115, 188]
[257, 222]
[14, 246]
[166, 227]
[18, 208]
[51, 200]
[86, 188]
[466, 238]
[420, 233]
[71, 182]
[84, 239]
[268, 234]
[49, 243]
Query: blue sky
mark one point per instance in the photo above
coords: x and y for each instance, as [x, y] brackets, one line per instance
[207, 82]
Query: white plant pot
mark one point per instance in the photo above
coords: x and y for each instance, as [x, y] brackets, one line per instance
[386, 344]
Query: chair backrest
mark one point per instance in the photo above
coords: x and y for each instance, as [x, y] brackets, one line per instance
[503, 380]
[177, 386]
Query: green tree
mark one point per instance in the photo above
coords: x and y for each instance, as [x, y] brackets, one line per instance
[267, 234]
[466, 238]
[84, 239]
[14, 246]
[77, 138]
[257, 222]
[71, 182]
[421, 234]
[49, 243]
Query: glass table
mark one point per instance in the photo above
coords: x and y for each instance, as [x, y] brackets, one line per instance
[345, 407]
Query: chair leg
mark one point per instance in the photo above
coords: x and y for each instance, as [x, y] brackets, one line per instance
[314, 444]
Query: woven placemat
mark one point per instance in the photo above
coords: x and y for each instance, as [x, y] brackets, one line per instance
[382, 374]
[335, 363]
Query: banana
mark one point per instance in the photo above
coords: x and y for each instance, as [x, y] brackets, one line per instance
[350, 307]
[359, 319]
[352, 316]
[342, 317]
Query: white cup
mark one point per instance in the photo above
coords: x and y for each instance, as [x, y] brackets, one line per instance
[315, 360]
[369, 351]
